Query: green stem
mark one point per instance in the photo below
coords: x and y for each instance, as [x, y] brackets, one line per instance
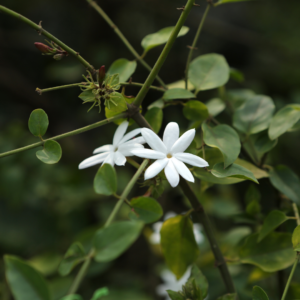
[194, 44]
[159, 63]
[290, 278]
[74, 132]
[296, 212]
[140, 84]
[126, 192]
[123, 38]
[48, 35]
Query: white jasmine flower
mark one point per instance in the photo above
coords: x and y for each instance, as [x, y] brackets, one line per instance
[170, 154]
[115, 153]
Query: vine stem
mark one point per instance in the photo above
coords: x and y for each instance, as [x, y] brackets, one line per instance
[74, 132]
[290, 277]
[123, 38]
[40, 91]
[42, 31]
[159, 63]
[78, 279]
[296, 212]
[195, 43]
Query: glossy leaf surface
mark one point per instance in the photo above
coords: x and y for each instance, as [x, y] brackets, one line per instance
[123, 67]
[38, 122]
[105, 182]
[51, 154]
[154, 116]
[177, 93]
[195, 111]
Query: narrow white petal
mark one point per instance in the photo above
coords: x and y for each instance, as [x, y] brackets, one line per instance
[153, 140]
[155, 168]
[130, 135]
[93, 160]
[184, 141]
[120, 133]
[125, 149]
[192, 159]
[138, 140]
[109, 159]
[147, 153]
[182, 170]
[171, 135]
[172, 174]
[105, 148]
[119, 159]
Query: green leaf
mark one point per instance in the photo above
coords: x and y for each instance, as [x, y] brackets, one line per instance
[146, 209]
[123, 67]
[112, 81]
[262, 143]
[286, 181]
[195, 110]
[160, 37]
[158, 103]
[296, 238]
[225, 139]
[284, 120]
[177, 93]
[215, 106]
[24, 281]
[228, 297]
[119, 103]
[236, 75]
[154, 116]
[274, 219]
[254, 115]
[110, 242]
[259, 294]
[72, 297]
[180, 84]
[100, 293]
[51, 154]
[272, 254]
[237, 97]
[233, 170]
[208, 71]
[38, 122]
[175, 295]
[178, 244]
[74, 255]
[200, 280]
[105, 182]
[257, 172]
[88, 96]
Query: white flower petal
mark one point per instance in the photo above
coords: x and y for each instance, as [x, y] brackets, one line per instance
[93, 160]
[172, 174]
[138, 140]
[192, 159]
[171, 135]
[183, 170]
[155, 168]
[105, 148]
[119, 159]
[153, 140]
[120, 133]
[130, 135]
[125, 149]
[147, 153]
[109, 159]
[183, 142]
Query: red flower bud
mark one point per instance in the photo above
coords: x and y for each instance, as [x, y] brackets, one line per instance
[101, 75]
[44, 48]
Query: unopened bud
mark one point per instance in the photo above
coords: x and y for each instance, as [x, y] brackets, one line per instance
[101, 75]
[58, 56]
[44, 48]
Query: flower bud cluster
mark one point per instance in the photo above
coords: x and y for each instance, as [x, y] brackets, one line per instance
[57, 52]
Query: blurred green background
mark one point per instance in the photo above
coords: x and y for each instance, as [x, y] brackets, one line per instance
[44, 208]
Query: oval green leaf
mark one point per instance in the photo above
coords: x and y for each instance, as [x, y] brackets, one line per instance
[145, 209]
[51, 154]
[117, 103]
[100, 293]
[200, 280]
[237, 97]
[208, 71]
[178, 244]
[284, 120]
[87, 96]
[154, 116]
[38, 122]
[272, 254]
[177, 93]
[233, 170]
[110, 242]
[74, 255]
[286, 181]
[175, 295]
[225, 139]
[274, 219]
[160, 37]
[105, 181]
[123, 67]
[254, 115]
[215, 106]
[24, 281]
[296, 238]
[195, 110]
[72, 297]
[259, 294]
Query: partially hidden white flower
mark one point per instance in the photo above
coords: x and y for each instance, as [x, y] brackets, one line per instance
[170, 154]
[117, 152]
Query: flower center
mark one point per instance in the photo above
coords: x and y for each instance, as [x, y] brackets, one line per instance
[169, 155]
